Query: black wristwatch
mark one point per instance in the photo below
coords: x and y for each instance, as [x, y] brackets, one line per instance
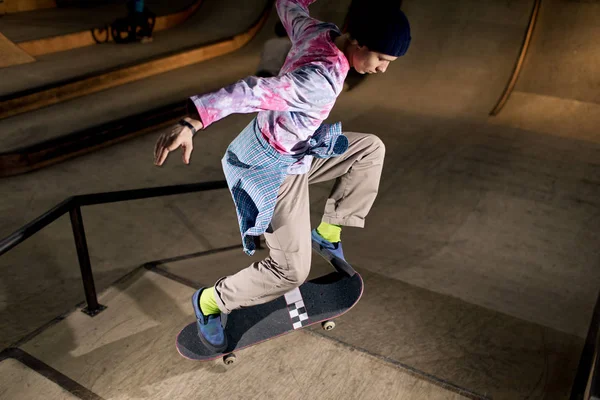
[185, 123]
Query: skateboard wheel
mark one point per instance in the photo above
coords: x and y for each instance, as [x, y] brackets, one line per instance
[229, 359]
[328, 325]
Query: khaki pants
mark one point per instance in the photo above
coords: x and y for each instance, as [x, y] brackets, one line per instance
[357, 173]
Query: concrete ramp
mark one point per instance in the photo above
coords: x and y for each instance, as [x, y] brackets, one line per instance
[558, 88]
[564, 59]
[128, 351]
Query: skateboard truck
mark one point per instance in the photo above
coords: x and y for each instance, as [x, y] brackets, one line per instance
[231, 358]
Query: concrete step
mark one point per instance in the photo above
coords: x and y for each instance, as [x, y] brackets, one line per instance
[129, 351]
[20, 382]
[214, 21]
[451, 341]
[11, 54]
[127, 100]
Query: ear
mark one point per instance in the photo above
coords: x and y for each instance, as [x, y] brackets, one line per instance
[362, 48]
[354, 43]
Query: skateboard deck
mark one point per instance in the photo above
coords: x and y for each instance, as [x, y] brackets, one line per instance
[315, 301]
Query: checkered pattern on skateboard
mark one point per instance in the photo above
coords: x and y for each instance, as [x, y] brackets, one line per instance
[298, 314]
[296, 308]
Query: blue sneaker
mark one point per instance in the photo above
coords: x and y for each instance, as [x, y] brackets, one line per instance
[331, 252]
[211, 328]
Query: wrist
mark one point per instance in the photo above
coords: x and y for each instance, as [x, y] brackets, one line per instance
[193, 124]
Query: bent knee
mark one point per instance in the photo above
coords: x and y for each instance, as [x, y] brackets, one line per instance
[372, 149]
[291, 257]
[297, 269]
[377, 145]
[297, 277]
[291, 268]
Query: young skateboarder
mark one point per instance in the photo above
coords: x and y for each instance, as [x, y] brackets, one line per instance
[270, 164]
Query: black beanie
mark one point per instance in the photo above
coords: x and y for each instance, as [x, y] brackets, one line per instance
[380, 25]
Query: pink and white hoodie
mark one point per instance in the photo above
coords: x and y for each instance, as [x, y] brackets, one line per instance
[292, 105]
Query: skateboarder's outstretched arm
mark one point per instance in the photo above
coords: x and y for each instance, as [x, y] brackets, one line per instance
[295, 17]
[292, 92]
[301, 90]
[305, 89]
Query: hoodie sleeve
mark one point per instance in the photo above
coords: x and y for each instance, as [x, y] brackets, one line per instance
[295, 17]
[303, 90]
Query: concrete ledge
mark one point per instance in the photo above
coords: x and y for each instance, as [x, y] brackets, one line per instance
[93, 36]
[15, 6]
[11, 54]
[103, 81]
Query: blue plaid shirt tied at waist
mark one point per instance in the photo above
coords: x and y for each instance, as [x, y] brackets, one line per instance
[254, 171]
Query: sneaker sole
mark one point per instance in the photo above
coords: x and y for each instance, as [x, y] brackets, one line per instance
[336, 262]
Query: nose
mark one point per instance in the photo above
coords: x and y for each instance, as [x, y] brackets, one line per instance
[383, 67]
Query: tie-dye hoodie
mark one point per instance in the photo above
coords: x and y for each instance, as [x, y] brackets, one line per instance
[294, 104]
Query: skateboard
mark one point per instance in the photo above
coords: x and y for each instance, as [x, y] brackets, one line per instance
[316, 301]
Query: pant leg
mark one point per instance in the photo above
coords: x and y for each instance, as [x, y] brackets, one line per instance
[288, 264]
[357, 173]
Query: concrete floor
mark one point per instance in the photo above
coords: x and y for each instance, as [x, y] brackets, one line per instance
[128, 352]
[480, 256]
[20, 382]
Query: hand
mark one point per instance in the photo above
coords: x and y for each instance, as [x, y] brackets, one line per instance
[176, 136]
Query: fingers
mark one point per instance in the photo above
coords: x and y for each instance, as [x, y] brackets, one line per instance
[160, 152]
[176, 142]
[163, 148]
[158, 148]
[170, 142]
[162, 156]
[187, 152]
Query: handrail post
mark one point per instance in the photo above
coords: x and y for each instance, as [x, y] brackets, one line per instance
[93, 308]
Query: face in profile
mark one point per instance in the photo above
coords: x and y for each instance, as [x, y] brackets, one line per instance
[365, 61]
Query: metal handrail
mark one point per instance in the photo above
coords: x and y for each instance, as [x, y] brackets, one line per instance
[73, 205]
